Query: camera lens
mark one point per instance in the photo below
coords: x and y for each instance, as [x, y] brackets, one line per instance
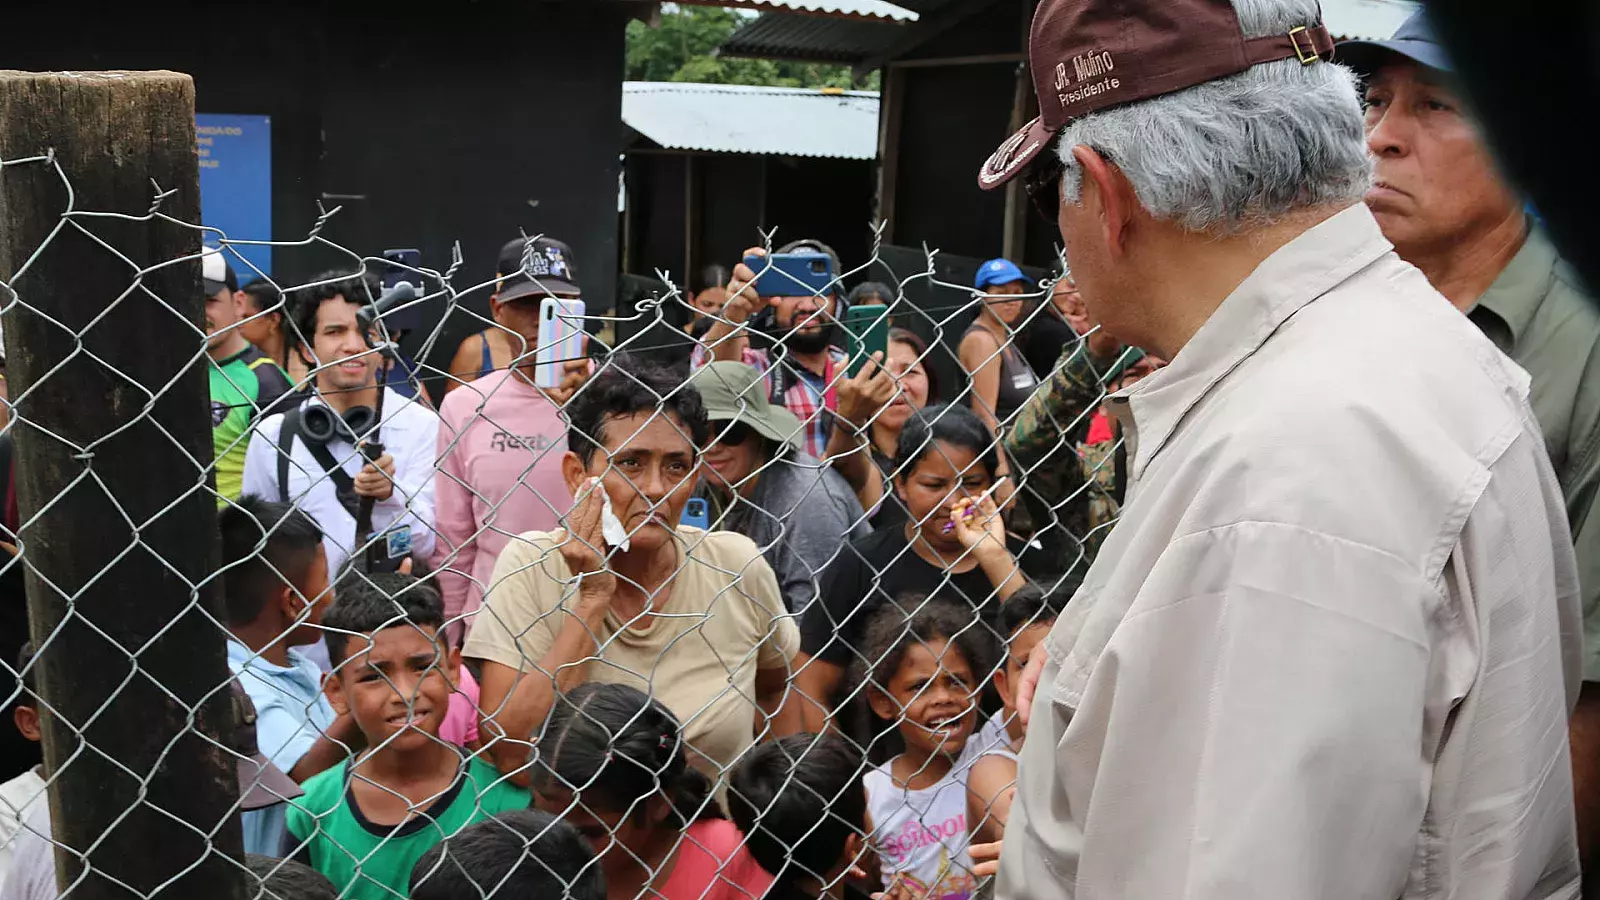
[818, 266]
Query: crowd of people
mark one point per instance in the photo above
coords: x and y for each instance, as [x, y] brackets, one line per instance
[1301, 614]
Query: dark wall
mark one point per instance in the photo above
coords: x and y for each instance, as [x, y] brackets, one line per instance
[450, 122]
[952, 118]
[740, 195]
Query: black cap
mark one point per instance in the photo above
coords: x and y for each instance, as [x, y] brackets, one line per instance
[534, 268]
[1414, 40]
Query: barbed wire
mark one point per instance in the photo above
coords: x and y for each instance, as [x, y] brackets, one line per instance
[726, 599]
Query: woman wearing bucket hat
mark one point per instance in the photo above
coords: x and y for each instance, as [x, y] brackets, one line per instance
[757, 478]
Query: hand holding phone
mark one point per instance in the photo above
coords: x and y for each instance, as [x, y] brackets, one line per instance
[744, 300]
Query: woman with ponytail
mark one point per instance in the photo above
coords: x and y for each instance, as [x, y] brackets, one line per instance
[612, 763]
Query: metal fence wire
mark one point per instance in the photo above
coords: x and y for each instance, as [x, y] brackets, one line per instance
[735, 614]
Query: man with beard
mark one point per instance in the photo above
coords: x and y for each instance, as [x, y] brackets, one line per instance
[802, 370]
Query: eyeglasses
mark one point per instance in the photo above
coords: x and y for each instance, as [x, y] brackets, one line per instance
[736, 434]
[1042, 183]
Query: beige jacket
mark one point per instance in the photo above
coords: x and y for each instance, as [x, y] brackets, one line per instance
[1331, 646]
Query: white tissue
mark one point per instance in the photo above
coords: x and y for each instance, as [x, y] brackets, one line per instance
[611, 526]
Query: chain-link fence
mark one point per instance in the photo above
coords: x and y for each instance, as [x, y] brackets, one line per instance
[554, 613]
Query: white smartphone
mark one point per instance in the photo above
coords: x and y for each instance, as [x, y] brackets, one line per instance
[561, 339]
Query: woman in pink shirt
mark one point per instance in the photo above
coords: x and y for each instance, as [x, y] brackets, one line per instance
[613, 763]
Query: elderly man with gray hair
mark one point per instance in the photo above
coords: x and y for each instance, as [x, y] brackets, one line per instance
[1331, 647]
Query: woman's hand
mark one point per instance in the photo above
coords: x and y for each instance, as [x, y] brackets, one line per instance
[869, 390]
[583, 545]
[979, 528]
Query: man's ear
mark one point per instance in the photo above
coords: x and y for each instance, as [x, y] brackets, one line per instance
[573, 472]
[333, 689]
[26, 719]
[1108, 195]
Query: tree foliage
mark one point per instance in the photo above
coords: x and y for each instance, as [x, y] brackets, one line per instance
[683, 48]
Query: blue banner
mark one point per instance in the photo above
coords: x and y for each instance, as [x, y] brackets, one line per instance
[236, 184]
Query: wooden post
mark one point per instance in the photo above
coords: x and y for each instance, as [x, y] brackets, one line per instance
[119, 527]
[894, 87]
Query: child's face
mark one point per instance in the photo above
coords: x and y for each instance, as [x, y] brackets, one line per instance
[398, 688]
[1018, 651]
[943, 476]
[931, 697]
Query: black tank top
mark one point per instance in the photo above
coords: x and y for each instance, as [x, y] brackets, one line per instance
[1017, 380]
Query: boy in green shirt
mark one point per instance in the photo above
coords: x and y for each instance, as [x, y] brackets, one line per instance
[366, 822]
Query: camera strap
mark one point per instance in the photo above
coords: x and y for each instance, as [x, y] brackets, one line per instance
[344, 485]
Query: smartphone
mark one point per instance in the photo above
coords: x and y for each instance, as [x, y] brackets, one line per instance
[696, 513]
[561, 339]
[868, 330]
[792, 274]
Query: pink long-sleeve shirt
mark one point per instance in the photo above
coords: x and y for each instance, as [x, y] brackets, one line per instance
[499, 475]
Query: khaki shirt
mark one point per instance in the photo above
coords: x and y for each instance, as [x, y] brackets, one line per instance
[1331, 646]
[1537, 314]
[698, 654]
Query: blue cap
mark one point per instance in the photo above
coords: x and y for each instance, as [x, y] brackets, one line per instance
[1414, 40]
[998, 271]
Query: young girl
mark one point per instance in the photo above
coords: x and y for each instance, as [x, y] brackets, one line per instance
[922, 673]
[612, 762]
[944, 461]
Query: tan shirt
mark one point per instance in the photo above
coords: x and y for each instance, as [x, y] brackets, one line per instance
[1331, 647]
[698, 654]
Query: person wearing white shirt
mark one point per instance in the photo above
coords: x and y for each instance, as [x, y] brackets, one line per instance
[1331, 646]
[400, 482]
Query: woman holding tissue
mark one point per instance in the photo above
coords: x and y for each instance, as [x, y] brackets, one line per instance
[624, 594]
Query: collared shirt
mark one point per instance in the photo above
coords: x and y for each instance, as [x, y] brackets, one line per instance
[1536, 313]
[802, 391]
[1330, 648]
[409, 433]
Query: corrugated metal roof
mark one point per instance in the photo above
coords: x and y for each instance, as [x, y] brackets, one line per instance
[1372, 19]
[726, 118]
[810, 38]
[880, 10]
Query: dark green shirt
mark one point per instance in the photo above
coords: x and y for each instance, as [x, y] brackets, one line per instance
[1537, 313]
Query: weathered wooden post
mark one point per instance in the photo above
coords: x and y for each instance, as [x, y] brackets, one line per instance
[112, 437]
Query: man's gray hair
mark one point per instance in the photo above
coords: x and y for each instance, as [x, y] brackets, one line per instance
[1241, 150]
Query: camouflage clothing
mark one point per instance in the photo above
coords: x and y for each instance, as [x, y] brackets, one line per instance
[1070, 486]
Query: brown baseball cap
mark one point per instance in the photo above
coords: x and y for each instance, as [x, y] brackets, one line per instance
[1088, 55]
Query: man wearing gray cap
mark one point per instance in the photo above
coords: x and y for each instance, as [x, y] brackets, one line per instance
[1446, 209]
[1330, 648]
